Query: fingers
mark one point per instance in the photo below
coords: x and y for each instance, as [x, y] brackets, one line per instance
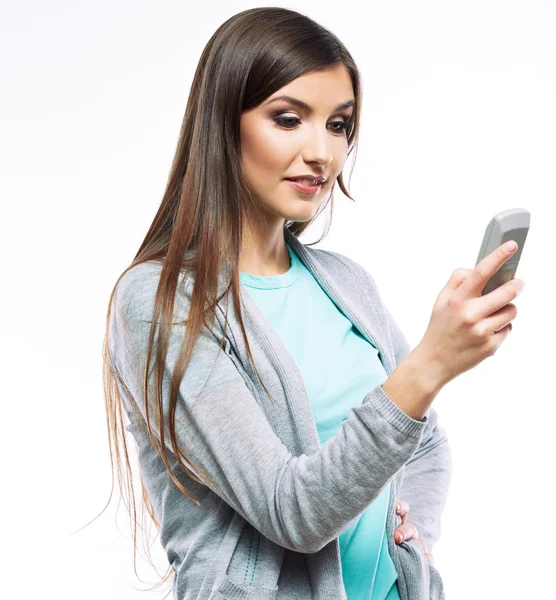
[405, 531]
[481, 274]
[457, 278]
[408, 530]
[402, 510]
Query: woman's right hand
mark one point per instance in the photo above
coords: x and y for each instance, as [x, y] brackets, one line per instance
[465, 326]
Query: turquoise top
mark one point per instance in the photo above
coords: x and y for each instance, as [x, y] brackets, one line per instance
[339, 367]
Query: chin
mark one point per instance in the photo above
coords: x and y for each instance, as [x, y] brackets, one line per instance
[305, 213]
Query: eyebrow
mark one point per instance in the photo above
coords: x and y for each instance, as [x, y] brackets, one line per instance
[305, 106]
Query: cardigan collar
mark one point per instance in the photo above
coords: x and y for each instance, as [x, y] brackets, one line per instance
[283, 377]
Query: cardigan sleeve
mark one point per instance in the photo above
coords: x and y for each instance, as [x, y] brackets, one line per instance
[299, 502]
[428, 472]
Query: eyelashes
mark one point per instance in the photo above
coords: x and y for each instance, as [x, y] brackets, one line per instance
[286, 123]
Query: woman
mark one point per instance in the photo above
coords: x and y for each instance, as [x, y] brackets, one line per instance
[281, 458]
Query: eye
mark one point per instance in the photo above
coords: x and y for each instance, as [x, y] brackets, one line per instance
[291, 122]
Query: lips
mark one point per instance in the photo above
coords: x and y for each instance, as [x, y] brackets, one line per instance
[305, 189]
[307, 179]
[302, 181]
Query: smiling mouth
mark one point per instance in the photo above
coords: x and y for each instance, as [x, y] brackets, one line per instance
[310, 190]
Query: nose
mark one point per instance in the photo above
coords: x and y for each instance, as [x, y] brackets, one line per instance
[318, 148]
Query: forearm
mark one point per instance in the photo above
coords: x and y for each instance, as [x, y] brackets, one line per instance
[413, 386]
[426, 482]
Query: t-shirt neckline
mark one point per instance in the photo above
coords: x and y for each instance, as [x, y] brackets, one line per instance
[270, 282]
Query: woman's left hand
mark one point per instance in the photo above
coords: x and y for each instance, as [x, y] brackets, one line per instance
[407, 530]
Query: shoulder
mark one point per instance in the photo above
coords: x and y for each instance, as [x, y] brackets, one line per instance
[137, 286]
[134, 279]
[337, 260]
[136, 289]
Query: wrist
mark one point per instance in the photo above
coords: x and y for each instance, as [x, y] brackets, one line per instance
[431, 372]
[413, 385]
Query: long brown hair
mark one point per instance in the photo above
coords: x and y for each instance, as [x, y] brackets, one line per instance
[200, 220]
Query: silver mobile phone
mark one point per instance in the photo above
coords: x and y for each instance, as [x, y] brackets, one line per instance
[512, 224]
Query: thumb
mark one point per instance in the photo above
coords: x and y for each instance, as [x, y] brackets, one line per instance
[457, 278]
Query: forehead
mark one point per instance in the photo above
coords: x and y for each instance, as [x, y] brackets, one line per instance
[323, 90]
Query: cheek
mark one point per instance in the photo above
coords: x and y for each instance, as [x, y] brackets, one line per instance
[269, 155]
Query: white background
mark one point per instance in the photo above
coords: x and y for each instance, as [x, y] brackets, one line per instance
[458, 123]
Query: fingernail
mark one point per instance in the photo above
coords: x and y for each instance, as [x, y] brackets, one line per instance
[510, 246]
[400, 537]
[398, 507]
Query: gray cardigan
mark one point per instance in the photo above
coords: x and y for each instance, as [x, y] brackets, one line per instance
[283, 499]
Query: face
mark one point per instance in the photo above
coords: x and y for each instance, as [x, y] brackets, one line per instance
[280, 139]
